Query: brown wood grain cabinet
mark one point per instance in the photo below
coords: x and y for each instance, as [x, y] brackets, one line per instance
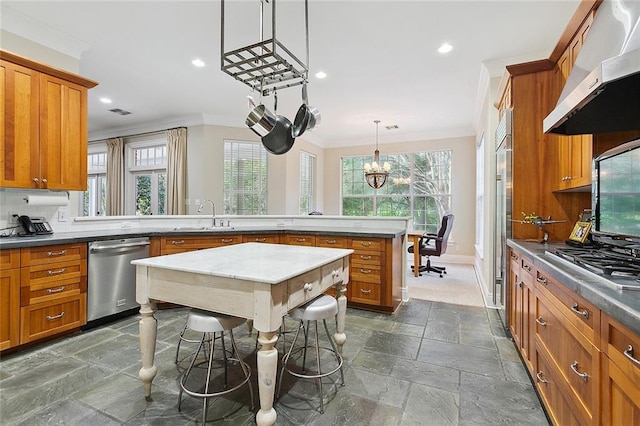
[53, 290]
[9, 298]
[521, 288]
[261, 238]
[183, 243]
[44, 126]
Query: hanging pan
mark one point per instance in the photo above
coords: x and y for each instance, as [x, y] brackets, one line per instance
[280, 139]
[314, 113]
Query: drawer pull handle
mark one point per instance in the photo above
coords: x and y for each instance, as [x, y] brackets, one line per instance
[542, 280]
[177, 242]
[56, 290]
[527, 267]
[331, 241]
[365, 271]
[365, 243]
[574, 367]
[335, 273]
[301, 240]
[365, 291]
[540, 321]
[584, 313]
[629, 354]
[260, 240]
[56, 253]
[540, 378]
[55, 317]
[308, 287]
[227, 240]
[365, 257]
[58, 272]
[514, 256]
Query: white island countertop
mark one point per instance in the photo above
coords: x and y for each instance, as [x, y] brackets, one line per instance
[260, 262]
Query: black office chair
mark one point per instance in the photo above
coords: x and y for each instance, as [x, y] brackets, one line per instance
[434, 245]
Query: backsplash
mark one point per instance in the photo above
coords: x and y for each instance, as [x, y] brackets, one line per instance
[12, 201]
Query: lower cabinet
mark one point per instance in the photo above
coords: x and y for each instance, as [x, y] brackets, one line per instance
[620, 374]
[9, 298]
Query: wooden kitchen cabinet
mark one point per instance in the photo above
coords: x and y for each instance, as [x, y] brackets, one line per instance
[9, 298]
[620, 374]
[521, 288]
[44, 126]
[53, 290]
[298, 239]
[261, 238]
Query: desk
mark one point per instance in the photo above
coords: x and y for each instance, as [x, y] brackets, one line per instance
[414, 237]
[257, 281]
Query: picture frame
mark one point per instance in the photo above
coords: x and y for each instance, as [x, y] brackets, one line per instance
[580, 232]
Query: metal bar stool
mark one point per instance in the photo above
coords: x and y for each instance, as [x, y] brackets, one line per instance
[207, 323]
[321, 308]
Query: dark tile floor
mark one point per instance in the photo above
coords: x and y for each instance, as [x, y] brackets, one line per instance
[431, 363]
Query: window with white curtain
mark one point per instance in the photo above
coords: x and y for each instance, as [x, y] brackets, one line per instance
[307, 182]
[245, 178]
[419, 186]
[94, 200]
[480, 195]
[146, 178]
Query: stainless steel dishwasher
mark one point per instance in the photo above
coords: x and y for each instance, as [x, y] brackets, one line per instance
[111, 285]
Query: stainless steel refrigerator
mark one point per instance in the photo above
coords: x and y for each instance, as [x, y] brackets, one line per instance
[504, 187]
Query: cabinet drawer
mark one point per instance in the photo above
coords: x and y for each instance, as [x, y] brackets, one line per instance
[304, 288]
[52, 254]
[299, 240]
[369, 244]
[179, 244]
[552, 392]
[261, 238]
[576, 358]
[9, 259]
[53, 290]
[52, 274]
[580, 313]
[526, 266]
[332, 242]
[622, 346]
[363, 292]
[368, 273]
[49, 318]
[367, 258]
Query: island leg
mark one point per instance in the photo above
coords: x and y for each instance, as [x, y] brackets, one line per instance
[267, 366]
[148, 330]
[340, 337]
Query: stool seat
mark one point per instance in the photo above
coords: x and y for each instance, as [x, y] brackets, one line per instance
[207, 322]
[323, 307]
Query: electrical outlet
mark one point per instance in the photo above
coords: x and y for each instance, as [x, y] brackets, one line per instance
[63, 215]
[13, 218]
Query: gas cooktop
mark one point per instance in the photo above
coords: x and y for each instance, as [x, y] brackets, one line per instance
[617, 267]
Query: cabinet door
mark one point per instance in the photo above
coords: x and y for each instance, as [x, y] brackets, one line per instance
[19, 116]
[9, 308]
[63, 134]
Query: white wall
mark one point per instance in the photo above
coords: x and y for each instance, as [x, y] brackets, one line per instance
[462, 185]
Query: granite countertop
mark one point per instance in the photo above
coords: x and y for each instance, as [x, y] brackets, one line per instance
[258, 262]
[109, 234]
[623, 305]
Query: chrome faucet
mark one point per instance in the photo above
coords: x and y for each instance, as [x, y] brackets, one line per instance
[213, 213]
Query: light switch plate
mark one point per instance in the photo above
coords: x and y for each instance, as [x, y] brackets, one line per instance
[63, 215]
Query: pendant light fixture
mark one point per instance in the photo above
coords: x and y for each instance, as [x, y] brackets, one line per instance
[376, 173]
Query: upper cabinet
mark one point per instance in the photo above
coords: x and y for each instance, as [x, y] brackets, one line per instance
[44, 126]
[574, 152]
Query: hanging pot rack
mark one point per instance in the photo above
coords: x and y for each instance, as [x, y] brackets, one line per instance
[265, 66]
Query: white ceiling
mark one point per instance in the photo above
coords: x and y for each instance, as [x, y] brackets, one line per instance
[380, 57]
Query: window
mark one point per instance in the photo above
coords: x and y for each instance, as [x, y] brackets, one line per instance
[307, 177]
[419, 186]
[245, 178]
[147, 177]
[94, 201]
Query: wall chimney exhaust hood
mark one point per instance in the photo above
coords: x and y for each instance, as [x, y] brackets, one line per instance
[602, 92]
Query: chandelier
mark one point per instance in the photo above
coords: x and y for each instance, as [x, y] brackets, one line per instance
[376, 173]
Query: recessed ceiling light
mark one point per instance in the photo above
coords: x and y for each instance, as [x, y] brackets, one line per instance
[105, 100]
[198, 63]
[445, 48]
[321, 74]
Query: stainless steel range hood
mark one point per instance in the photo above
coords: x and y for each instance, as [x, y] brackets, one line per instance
[602, 93]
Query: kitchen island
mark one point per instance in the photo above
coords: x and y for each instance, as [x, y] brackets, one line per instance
[257, 281]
